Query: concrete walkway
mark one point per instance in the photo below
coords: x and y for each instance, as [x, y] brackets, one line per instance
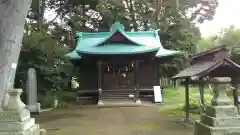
[144, 120]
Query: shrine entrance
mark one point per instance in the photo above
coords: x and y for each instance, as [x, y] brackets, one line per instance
[118, 76]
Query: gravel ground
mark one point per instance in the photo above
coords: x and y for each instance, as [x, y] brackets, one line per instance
[145, 120]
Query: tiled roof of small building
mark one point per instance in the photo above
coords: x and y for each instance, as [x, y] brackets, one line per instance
[204, 68]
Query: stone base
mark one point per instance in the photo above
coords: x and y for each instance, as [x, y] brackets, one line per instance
[43, 132]
[220, 121]
[15, 119]
[138, 101]
[223, 101]
[221, 111]
[100, 102]
[34, 130]
[202, 129]
[11, 116]
[34, 108]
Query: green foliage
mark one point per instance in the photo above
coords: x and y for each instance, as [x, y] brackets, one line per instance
[62, 105]
[194, 100]
[205, 44]
[43, 52]
[178, 33]
[231, 38]
[175, 101]
[47, 100]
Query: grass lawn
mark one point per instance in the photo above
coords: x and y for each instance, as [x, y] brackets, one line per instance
[174, 101]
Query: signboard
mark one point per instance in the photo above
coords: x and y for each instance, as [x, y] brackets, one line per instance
[157, 94]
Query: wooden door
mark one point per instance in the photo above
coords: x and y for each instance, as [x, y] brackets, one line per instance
[118, 78]
[125, 79]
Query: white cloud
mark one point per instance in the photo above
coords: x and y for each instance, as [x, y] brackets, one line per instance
[227, 13]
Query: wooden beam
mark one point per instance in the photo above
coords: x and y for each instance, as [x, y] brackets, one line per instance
[100, 81]
[187, 99]
[235, 93]
[136, 75]
[158, 74]
[201, 90]
[200, 82]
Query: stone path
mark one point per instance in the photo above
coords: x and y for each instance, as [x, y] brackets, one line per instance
[109, 121]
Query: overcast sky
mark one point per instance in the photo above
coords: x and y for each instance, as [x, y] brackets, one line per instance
[228, 13]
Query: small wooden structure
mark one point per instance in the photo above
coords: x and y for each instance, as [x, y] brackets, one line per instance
[206, 65]
[118, 65]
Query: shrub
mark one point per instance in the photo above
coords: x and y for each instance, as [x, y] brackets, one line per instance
[194, 100]
[47, 100]
[62, 104]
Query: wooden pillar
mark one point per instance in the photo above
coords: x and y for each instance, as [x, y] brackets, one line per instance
[174, 83]
[136, 76]
[235, 92]
[158, 74]
[100, 82]
[201, 90]
[187, 99]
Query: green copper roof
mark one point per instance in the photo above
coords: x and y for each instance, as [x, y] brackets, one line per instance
[164, 52]
[119, 49]
[73, 55]
[137, 42]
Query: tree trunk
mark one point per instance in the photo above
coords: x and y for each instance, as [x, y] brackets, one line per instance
[12, 20]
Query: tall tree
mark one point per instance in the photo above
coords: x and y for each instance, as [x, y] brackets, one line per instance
[177, 30]
[206, 43]
[12, 19]
[231, 38]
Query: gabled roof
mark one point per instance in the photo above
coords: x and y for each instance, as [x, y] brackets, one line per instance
[195, 69]
[73, 55]
[98, 43]
[205, 68]
[212, 50]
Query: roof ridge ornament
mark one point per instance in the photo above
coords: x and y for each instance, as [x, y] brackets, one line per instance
[117, 26]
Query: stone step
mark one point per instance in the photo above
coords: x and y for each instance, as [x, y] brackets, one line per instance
[116, 97]
[220, 121]
[122, 96]
[221, 111]
[202, 129]
[116, 94]
[117, 101]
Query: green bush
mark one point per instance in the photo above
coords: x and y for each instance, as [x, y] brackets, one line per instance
[194, 100]
[47, 100]
[62, 104]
